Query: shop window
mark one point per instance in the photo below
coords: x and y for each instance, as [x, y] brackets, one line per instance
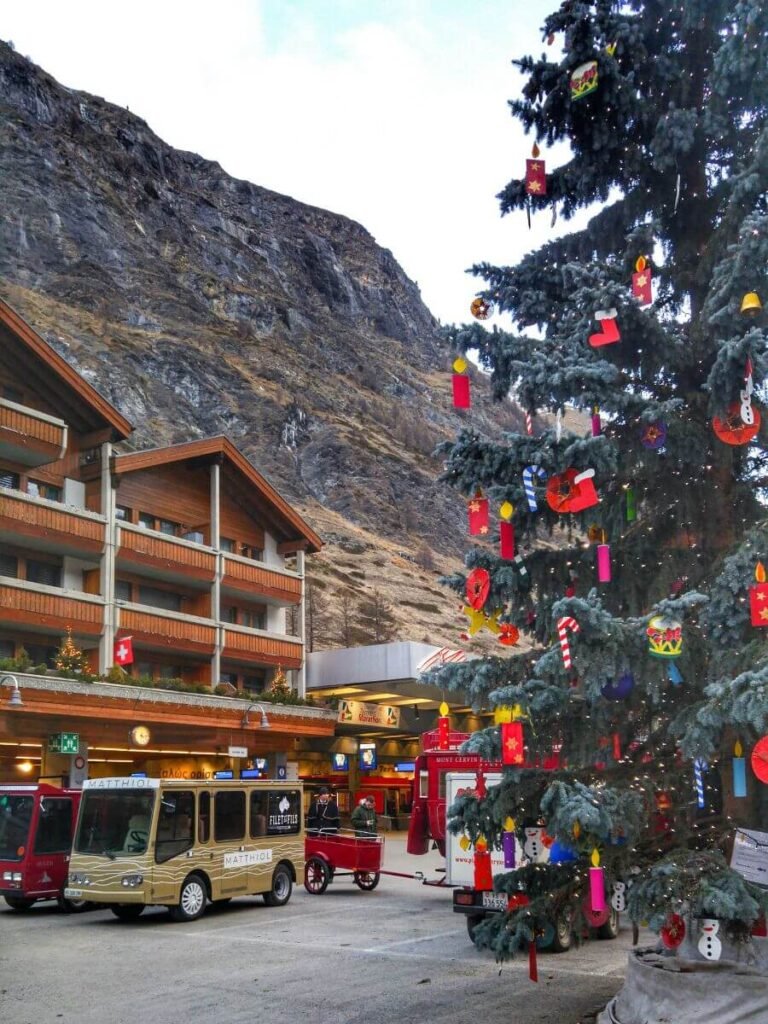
[229, 815]
[54, 826]
[226, 544]
[39, 489]
[175, 826]
[9, 480]
[146, 521]
[157, 598]
[204, 818]
[122, 514]
[47, 573]
[196, 536]
[123, 590]
[169, 528]
[9, 565]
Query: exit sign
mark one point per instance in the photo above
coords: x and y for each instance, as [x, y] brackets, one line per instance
[64, 743]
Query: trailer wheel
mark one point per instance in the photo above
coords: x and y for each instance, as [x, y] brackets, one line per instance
[610, 929]
[72, 906]
[366, 880]
[282, 887]
[561, 942]
[316, 876]
[127, 911]
[473, 920]
[18, 902]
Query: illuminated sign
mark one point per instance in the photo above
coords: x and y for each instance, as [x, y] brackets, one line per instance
[367, 758]
[405, 766]
[250, 773]
[227, 774]
[341, 762]
[355, 712]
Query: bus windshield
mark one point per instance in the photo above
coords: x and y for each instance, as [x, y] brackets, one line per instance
[115, 824]
[15, 816]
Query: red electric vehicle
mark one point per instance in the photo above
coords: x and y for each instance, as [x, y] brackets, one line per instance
[36, 826]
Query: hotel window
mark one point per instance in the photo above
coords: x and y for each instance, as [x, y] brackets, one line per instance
[123, 590]
[41, 655]
[144, 668]
[157, 598]
[9, 565]
[169, 672]
[168, 527]
[9, 480]
[7, 649]
[46, 573]
[39, 489]
[254, 620]
[230, 615]
[226, 544]
[122, 513]
[146, 521]
[255, 683]
[196, 536]
[248, 551]
[13, 394]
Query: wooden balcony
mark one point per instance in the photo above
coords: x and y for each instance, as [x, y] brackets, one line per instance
[30, 437]
[241, 575]
[166, 557]
[166, 631]
[261, 649]
[38, 611]
[58, 527]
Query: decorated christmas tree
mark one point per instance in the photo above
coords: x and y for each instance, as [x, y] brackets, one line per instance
[616, 560]
[69, 657]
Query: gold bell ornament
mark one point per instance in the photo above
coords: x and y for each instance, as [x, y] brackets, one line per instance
[751, 304]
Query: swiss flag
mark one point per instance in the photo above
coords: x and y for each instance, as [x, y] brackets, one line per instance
[124, 651]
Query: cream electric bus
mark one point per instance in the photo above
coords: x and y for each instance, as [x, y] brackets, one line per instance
[146, 842]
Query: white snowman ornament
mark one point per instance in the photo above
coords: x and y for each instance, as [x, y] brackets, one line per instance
[619, 897]
[710, 945]
[533, 847]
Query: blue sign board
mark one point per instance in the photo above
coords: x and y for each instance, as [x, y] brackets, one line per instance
[405, 766]
[341, 762]
[282, 772]
[227, 774]
[250, 773]
[367, 757]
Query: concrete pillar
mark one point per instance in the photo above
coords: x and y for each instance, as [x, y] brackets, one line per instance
[108, 562]
[218, 572]
[301, 622]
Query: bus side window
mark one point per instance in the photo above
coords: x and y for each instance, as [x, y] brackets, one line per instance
[175, 832]
[54, 825]
[204, 818]
[258, 813]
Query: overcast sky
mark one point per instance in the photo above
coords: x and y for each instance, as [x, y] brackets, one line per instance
[391, 112]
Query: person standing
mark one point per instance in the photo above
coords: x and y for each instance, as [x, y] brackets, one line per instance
[323, 813]
[364, 819]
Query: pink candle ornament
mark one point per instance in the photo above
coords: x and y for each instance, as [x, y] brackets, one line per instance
[563, 625]
[604, 563]
[596, 884]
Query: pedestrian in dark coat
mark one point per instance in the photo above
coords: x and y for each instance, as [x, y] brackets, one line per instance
[323, 813]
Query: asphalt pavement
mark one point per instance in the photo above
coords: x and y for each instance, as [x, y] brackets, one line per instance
[397, 954]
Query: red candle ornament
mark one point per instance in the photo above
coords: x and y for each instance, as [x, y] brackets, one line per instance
[461, 399]
[477, 509]
[483, 872]
[535, 174]
[512, 748]
[641, 281]
[758, 598]
[443, 728]
[506, 531]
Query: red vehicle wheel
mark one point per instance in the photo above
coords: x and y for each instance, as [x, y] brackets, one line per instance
[366, 880]
[316, 876]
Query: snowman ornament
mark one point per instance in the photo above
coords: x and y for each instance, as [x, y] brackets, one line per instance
[619, 897]
[710, 945]
[534, 847]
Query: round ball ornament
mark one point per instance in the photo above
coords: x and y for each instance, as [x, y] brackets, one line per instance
[673, 932]
[732, 430]
[619, 689]
[478, 587]
[760, 759]
[509, 634]
[654, 435]
[481, 309]
[665, 637]
[559, 854]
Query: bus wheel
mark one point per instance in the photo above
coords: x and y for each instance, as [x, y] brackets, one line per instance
[473, 920]
[561, 942]
[18, 902]
[366, 880]
[192, 900]
[316, 876]
[282, 886]
[71, 906]
[127, 911]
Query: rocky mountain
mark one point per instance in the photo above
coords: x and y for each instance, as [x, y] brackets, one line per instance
[201, 304]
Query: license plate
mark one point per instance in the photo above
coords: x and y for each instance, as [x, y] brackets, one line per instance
[73, 894]
[495, 900]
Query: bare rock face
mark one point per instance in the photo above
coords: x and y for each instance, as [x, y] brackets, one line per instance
[200, 304]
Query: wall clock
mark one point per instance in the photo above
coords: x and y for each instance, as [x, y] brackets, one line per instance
[140, 735]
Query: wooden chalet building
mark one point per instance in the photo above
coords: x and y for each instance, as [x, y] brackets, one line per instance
[186, 549]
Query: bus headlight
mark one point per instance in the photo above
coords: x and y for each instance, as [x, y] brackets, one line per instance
[76, 879]
[11, 876]
[131, 881]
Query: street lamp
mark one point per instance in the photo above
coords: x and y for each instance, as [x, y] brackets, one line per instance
[15, 697]
[264, 723]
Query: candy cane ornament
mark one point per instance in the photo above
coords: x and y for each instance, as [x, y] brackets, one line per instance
[530, 494]
[528, 423]
[567, 622]
[699, 767]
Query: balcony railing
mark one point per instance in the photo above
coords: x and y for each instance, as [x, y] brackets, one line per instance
[242, 574]
[242, 644]
[37, 517]
[30, 437]
[178, 557]
[163, 629]
[41, 610]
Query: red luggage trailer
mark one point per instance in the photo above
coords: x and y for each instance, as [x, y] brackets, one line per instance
[326, 852]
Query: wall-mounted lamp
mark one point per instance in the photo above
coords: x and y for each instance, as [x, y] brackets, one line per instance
[416, 714]
[15, 697]
[264, 723]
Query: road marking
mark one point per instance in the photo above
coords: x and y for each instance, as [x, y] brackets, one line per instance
[406, 942]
